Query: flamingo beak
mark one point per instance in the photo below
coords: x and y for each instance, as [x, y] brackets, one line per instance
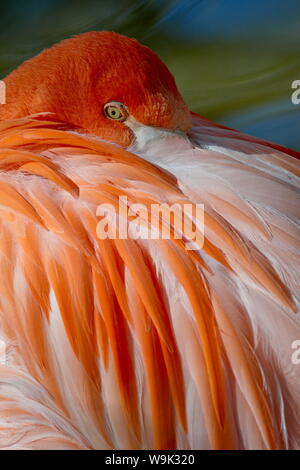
[150, 139]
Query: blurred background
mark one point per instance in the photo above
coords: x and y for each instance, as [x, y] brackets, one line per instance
[234, 60]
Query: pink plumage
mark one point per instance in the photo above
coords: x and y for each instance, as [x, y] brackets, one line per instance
[141, 343]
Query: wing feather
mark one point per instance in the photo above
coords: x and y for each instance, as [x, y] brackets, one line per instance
[108, 339]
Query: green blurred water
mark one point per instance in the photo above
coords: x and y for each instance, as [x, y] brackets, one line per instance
[234, 62]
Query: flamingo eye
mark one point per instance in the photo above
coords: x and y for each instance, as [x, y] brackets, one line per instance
[115, 110]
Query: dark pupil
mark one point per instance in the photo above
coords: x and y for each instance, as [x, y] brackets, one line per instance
[113, 112]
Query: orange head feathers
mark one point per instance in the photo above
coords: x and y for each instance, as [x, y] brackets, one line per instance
[78, 78]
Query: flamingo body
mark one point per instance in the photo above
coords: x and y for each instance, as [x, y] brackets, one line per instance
[136, 343]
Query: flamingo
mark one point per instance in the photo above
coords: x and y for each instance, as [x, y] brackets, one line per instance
[132, 343]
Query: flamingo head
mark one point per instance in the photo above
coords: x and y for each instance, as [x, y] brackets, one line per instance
[101, 83]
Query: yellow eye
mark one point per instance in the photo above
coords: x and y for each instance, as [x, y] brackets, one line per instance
[115, 110]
